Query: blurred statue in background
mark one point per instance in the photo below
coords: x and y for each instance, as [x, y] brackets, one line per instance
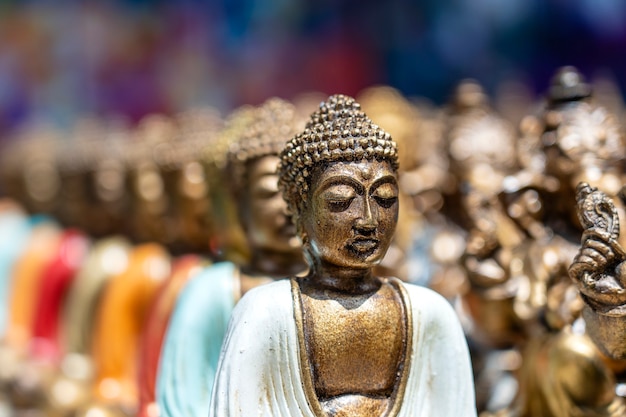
[198, 324]
[481, 152]
[426, 247]
[598, 271]
[341, 341]
[562, 373]
[185, 181]
[151, 218]
[29, 167]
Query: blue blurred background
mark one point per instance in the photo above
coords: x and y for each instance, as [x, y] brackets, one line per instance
[60, 59]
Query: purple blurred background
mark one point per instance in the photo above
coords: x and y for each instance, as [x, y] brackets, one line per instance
[60, 59]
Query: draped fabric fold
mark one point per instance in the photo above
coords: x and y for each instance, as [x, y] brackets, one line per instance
[260, 373]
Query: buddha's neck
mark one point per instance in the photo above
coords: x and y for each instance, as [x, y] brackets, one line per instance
[275, 264]
[342, 279]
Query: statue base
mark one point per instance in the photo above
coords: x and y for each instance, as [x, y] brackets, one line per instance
[607, 330]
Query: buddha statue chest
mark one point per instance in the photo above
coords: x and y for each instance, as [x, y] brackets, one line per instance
[355, 346]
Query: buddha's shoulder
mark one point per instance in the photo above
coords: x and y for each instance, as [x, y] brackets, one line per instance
[426, 302]
[268, 297]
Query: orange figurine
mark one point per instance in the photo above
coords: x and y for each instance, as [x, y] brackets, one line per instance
[119, 321]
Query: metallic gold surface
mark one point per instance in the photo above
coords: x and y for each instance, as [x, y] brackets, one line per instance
[598, 269]
[30, 169]
[565, 375]
[565, 371]
[151, 219]
[229, 241]
[185, 179]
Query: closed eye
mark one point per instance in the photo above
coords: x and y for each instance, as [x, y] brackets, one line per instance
[339, 204]
[385, 202]
[386, 194]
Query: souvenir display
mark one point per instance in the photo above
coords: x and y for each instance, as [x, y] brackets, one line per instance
[184, 264]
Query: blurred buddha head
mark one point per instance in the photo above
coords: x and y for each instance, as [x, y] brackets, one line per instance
[252, 163]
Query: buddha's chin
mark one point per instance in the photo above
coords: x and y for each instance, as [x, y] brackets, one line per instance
[361, 260]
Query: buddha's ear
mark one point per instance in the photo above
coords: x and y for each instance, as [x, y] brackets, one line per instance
[304, 236]
[306, 247]
[300, 230]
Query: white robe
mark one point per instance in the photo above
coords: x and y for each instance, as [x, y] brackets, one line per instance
[260, 373]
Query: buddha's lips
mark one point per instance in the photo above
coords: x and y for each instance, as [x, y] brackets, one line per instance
[363, 244]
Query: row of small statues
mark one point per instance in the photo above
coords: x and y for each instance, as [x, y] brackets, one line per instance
[489, 217]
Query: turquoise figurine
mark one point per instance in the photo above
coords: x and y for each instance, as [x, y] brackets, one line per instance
[187, 368]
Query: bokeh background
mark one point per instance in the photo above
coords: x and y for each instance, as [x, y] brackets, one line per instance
[60, 59]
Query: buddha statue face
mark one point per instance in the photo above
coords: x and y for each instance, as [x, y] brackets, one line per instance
[339, 178]
[351, 213]
[264, 210]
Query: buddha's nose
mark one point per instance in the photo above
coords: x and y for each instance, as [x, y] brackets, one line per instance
[368, 220]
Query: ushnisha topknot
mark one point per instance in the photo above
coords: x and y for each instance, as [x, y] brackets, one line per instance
[337, 132]
[267, 129]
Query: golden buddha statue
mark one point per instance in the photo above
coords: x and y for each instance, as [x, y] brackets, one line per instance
[103, 177]
[150, 207]
[341, 341]
[185, 179]
[228, 241]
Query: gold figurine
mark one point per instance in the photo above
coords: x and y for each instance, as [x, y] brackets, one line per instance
[599, 271]
[341, 341]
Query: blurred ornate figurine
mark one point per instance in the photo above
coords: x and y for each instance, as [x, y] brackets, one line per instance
[341, 341]
[563, 373]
